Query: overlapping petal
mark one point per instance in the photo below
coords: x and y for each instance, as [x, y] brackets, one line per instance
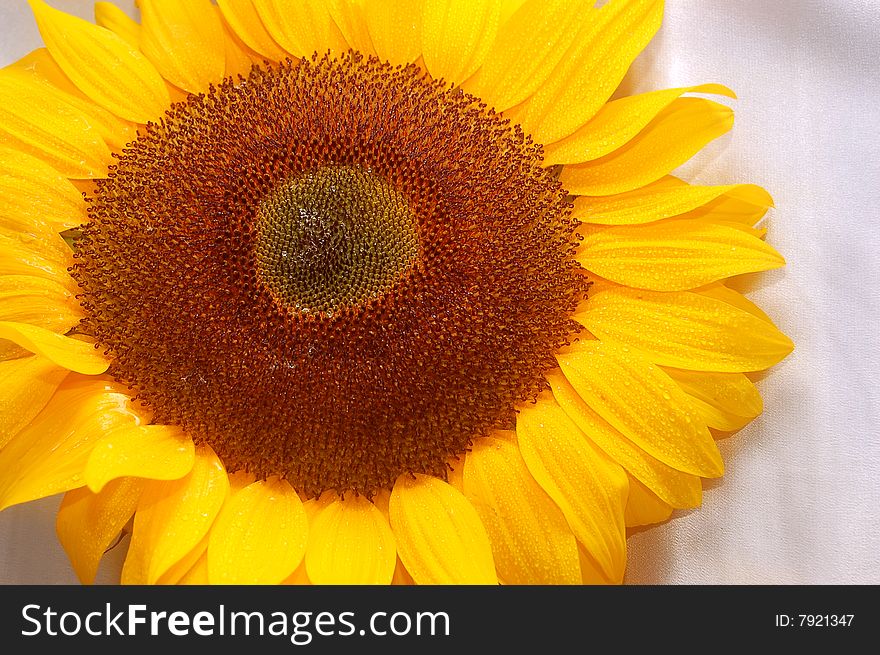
[174, 517]
[685, 330]
[49, 455]
[586, 484]
[590, 70]
[103, 65]
[675, 255]
[88, 523]
[668, 197]
[440, 537]
[184, 41]
[350, 542]
[259, 536]
[531, 540]
[640, 401]
[676, 134]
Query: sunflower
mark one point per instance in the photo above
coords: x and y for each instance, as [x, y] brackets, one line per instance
[358, 291]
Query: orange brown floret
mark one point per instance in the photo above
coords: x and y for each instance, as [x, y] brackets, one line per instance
[334, 271]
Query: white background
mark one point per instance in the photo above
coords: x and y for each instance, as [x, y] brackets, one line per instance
[800, 502]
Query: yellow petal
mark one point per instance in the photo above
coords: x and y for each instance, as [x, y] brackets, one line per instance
[729, 393]
[27, 256]
[617, 122]
[731, 297]
[32, 193]
[103, 65]
[36, 80]
[663, 199]
[301, 28]
[26, 385]
[531, 541]
[40, 63]
[350, 17]
[157, 452]
[173, 517]
[685, 330]
[644, 507]
[48, 456]
[674, 136]
[184, 41]
[528, 48]
[440, 538]
[350, 542]
[588, 487]
[88, 523]
[457, 35]
[50, 129]
[642, 402]
[675, 255]
[181, 568]
[395, 29]
[114, 19]
[591, 572]
[198, 572]
[590, 70]
[239, 58]
[72, 354]
[676, 488]
[38, 301]
[242, 17]
[41, 241]
[259, 536]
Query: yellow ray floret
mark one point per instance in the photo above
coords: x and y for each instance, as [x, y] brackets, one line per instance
[588, 487]
[590, 70]
[173, 517]
[617, 123]
[675, 255]
[531, 540]
[39, 302]
[88, 523]
[350, 18]
[679, 489]
[49, 455]
[440, 537]
[156, 452]
[103, 65]
[26, 385]
[33, 195]
[56, 132]
[457, 36]
[259, 536]
[529, 47]
[668, 197]
[674, 136]
[685, 330]
[350, 542]
[184, 41]
[114, 19]
[242, 17]
[72, 354]
[301, 28]
[643, 506]
[395, 29]
[642, 402]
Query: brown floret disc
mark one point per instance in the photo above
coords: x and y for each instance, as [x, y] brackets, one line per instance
[335, 271]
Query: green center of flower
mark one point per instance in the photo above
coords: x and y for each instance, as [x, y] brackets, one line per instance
[334, 237]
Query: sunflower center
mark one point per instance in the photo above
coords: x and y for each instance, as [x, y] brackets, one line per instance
[365, 271]
[334, 237]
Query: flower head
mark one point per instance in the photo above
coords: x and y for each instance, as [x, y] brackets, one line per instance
[342, 291]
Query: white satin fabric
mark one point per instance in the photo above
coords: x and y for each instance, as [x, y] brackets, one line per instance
[800, 502]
